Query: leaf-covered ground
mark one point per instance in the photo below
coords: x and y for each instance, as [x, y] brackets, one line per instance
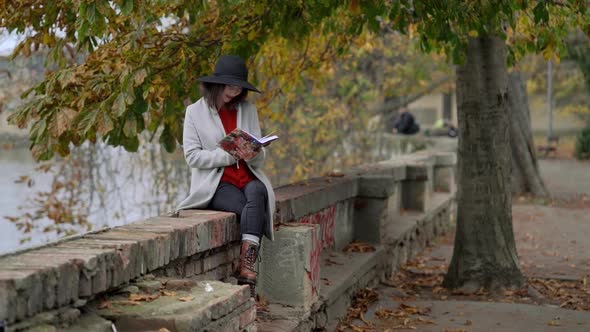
[553, 243]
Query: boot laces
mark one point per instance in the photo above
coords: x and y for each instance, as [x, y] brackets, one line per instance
[250, 256]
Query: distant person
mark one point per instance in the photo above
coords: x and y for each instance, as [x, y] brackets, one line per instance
[405, 124]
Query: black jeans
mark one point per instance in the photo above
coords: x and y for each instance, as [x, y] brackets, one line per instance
[249, 204]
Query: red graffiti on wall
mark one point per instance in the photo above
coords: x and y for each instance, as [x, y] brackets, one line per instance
[314, 262]
[324, 218]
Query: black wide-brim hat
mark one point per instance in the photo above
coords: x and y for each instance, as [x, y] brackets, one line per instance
[230, 70]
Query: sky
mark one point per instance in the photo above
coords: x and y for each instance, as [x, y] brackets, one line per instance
[8, 42]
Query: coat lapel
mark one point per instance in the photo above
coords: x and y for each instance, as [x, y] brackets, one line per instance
[239, 116]
[217, 121]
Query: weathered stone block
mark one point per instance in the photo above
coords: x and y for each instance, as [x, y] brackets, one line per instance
[172, 235]
[300, 199]
[377, 186]
[444, 179]
[55, 279]
[289, 272]
[89, 322]
[45, 287]
[193, 267]
[444, 158]
[214, 260]
[416, 195]
[326, 219]
[373, 216]
[197, 312]
[248, 317]
[99, 265]
[149, 286]
[124, 254]
[344, 224]
[217, 232]
[151, 246]
[162, 236]
[10, 308]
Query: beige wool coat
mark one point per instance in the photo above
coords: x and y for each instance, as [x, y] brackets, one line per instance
[203, 129]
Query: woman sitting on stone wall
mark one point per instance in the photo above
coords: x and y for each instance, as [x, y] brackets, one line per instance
[218, 181]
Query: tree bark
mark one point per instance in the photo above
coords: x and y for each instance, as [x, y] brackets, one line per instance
[484, 254]
[525, 170]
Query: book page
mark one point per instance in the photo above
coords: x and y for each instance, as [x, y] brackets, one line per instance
[268, 139]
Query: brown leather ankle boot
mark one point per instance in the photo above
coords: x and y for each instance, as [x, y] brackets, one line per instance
[248, 256]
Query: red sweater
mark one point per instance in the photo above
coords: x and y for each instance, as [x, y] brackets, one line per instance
[238, 176]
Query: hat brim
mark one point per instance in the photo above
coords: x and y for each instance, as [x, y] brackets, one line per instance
[227, 81]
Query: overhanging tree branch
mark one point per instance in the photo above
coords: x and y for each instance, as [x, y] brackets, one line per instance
[396, 103]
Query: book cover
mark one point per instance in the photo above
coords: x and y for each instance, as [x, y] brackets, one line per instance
[243, 145]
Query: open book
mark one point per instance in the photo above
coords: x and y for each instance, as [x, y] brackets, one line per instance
[243, 145]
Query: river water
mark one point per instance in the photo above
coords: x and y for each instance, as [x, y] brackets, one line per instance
[14, 163]
[120, 188]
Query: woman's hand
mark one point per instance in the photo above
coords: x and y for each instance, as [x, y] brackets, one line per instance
[246, 153]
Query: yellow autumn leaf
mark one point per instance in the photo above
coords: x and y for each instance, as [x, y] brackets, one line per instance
[252, 35]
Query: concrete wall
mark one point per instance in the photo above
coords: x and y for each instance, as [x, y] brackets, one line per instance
[314, 218]
[429, 108]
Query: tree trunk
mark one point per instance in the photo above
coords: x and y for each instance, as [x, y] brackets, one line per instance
[484, 253]
[525, 170]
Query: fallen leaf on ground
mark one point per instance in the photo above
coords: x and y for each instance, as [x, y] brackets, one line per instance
[356, 328]
[143, 297]
[359, 247]
[127, 302]
[553, 323]
[186, 298]
[167, 293]
[384, 313]
[425, 321]
[261, 303]
[412, 310]
[404, 327]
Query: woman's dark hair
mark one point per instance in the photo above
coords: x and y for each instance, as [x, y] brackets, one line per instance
[211, 92]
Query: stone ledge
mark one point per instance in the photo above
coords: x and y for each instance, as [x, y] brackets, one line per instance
[342, 275]
[56, 275]
[190, 308]
[69, 320]
[340, 271]
[376, 186]
[290, 273]
[395, 169]
[444, 159]
[297, 200]
[339, 283]
[409, 220]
